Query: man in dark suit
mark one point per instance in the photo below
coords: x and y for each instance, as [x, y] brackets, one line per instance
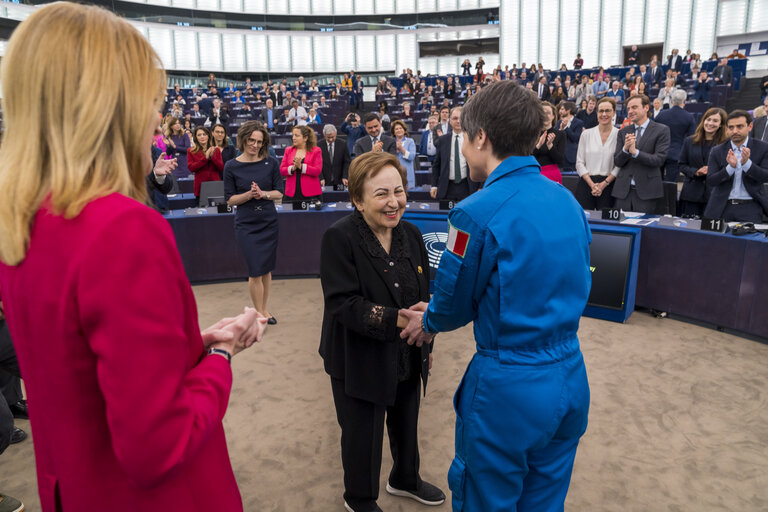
[701, 88]
[375, 140]
[542, 89]
[450, 171]
[723, 73]
[760, 127]
[573, 127]
[428, 144]
[268, 115]
[218, 114]
[654, 76]
[633, 57]
[641, 150]
[335, 158]
[736, 172]
[675, 61]
[205, 104]
[681, 124]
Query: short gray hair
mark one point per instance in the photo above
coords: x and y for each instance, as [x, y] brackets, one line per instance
[328, 129]
[678, 97]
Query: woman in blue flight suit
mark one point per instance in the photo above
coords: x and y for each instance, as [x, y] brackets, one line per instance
[517, 264]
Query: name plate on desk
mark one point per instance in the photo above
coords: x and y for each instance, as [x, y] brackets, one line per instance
[193, 212]
[446, 204]
[716, 225]
[677, 222]
[613, 214]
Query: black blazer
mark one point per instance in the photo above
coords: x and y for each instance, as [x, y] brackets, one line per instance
[726, 72]
[692, 158]
[363, 145]
[334, 172]
[554, 156]
[758, 128]
[441, 174]
[681, 124]
[720, 183]
[360, 340]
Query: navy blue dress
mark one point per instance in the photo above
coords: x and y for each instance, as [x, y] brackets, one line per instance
[255, 220]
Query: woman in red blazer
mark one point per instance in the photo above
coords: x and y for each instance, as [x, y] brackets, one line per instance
[302, 165]
[125, 398]
[204, 158]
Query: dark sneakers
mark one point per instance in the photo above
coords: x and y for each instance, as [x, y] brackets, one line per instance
[17, 436]
[9, 504]
[426, 494]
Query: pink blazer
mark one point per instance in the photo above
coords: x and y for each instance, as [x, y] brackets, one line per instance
[310, 181]
[125, 409]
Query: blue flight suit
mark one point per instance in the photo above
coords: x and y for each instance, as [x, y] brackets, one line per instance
[521, 272]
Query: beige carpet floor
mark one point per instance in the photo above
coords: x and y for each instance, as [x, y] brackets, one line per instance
[678, 419]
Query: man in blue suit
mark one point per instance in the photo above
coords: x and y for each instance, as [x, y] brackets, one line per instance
[572, 128]
[428, 144]
[654, 76]
[681, 124]
[736, 172]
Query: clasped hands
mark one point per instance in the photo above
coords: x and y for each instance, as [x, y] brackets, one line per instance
[237, 333]
[413, 332]
[597, 188]
[630, 142]
[256, 192]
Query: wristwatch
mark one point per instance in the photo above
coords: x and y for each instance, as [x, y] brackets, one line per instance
[221, 352]
[267, 195]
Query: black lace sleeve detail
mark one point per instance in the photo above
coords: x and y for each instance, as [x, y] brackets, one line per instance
[379, 320]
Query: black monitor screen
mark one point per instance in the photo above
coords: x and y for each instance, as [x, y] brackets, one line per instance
[609, 256]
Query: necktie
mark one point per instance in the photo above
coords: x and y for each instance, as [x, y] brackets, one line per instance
[765, 133]
[456, 160]
[541, 90]
[330, 151]
[638, 134]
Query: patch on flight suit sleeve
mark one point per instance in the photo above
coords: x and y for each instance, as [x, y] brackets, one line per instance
[458, 241]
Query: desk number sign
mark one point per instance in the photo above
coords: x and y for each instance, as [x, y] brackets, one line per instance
[716, 225]
[613, 214]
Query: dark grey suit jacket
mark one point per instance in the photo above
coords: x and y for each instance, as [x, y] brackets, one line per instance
[721, 183]
[758, 128]
[653, 147]
[363, 145]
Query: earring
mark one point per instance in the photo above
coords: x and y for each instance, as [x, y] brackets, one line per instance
[479, 147]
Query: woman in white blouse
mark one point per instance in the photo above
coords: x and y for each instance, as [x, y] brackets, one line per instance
[594, 159]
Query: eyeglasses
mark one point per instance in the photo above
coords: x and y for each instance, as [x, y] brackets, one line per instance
[253, 142]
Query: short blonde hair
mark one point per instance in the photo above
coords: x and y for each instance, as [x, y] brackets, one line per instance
[59, 118]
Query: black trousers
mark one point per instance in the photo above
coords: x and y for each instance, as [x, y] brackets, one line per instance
[633, 203]
[671, 171]
[587, 200]
[746, 212]
[362, 433]
[9, 373]
[457, 190]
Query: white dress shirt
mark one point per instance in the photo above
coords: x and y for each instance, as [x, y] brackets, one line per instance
[462, 160]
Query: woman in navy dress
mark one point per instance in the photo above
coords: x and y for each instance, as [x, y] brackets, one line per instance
[252, 181]
[177, 142]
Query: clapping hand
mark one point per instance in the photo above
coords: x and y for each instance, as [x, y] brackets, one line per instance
[701, 171]
[542, 140]
[731, 159]
[234, 334]
[378, 147]
[296, 163]
[209, 152]
[256, 192]
[164, 167]
[550, 140]
[629, 143]
[745, 153]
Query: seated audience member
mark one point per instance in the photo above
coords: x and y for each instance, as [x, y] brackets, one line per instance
[407, 112]
[681, 124]
[384, 117]
[558, 95]
[640, 153]
[353, 130]
[578, 62]
[572, 128]
[238, 97]
[550, 147]
[285, 117]
[641, 88]
[601, 87]
[736, 54]
[588, 116]
[594, 159]
[654, 75]
[723, 73]
[314, 117]
[302, 165]
[714, 56]
[665, 93]
[428, 144]
[694, 156]
[406, 150]
[736, 172]
[336, 158]
[221, 141]
[204, 158]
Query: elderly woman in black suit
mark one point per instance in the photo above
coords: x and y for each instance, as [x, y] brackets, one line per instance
[372, 265]
[694, 157]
